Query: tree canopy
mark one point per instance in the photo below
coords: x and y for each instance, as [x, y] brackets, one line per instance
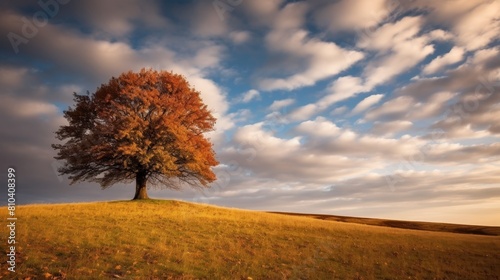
[148, 126]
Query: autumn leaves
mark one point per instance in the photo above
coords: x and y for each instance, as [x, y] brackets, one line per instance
[149, 124]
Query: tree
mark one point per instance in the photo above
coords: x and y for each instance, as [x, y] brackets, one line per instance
[147, 126]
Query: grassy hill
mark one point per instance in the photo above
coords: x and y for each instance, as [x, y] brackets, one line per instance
[163, 239]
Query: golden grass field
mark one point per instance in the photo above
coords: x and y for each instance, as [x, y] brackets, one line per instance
[165, 239]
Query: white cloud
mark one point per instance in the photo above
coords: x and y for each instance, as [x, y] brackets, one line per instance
[255, 136]
[250, 95]
[240, 116]
[265, 155]
[392, 34]
[391, 127]
[291, 17]
[456, 54]
[320, 59]
[447, 11]
[483, 56]
[367, 103]
[405, 51]
[466, 132]
[320, 127]
[324, 137]
[27, 108]
[278, 104]
[339, 110]
[341, 89]
[303, 112]
[123, 19]
[239, 37]
[205, 20]
[479, 27]
[489, 119]
[207, 56]
[440, 35]
[475, 24]
[435, 106]
[353, 14]
[477, 71]
[261, 12]
[404, 57]
[12, 77]
[399, 46]
[391, 108]
[324, 59]
[458, 154]
[463, 99]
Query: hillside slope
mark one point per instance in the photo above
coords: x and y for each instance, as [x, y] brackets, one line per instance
[178, 240]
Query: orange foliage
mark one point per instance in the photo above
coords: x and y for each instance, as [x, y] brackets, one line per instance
[149, 124]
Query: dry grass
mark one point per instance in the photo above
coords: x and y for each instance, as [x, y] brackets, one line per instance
[177, 240]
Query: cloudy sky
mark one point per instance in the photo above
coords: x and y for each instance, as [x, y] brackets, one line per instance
[374, 108]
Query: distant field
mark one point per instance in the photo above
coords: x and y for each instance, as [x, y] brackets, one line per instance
[442, 227]
[162, 239]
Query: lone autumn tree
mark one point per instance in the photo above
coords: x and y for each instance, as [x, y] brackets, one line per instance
[147, 126]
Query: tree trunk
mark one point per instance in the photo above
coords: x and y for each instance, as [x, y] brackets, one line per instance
[140, 186]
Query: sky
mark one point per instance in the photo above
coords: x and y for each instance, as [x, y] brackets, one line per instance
[371, 108]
